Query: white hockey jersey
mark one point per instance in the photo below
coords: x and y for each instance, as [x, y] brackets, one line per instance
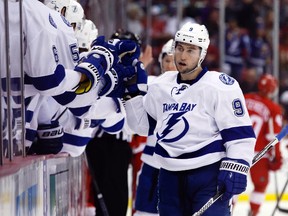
[198, 123]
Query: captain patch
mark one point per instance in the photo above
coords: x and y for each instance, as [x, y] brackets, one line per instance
[226, 79]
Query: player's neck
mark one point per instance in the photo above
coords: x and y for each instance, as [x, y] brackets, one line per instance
[191, 76]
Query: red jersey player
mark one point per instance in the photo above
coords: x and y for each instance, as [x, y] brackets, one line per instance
[266, 117]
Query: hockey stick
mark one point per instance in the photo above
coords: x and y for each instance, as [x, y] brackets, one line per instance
[256, 158]
[279, 199]
[277, 194]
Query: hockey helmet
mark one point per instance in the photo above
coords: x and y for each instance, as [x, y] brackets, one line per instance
[195, 34]
[166, 49]
[75, 14]
[57, 5]
[86, 34]
[267, 85]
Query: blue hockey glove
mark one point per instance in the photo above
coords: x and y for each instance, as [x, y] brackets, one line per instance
[127, 50]
[138, 84]
[113, 80]
[232, 177]
[49, 140]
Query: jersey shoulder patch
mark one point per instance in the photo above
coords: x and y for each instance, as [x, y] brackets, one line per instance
[226, 79]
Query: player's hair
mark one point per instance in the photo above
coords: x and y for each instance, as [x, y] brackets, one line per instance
[195, 34]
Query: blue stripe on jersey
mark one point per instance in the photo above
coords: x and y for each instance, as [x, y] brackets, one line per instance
[237, 133]
[65, 98]
[149, 150]
[216, 146]
[75, 140]
[51, 81]
[80, 110]
[15, 83]
[28, 115]
[152, 125]
[30, 134]
[115, 128]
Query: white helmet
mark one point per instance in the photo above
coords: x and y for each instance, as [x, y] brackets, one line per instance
[86, 34]
[57, 4]
[167, 48]
[193, 33]
[75, 14]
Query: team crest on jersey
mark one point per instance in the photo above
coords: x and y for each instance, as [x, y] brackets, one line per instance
[176, 128]
[52, 21]
[226, 79]
[65, 21]
[178, 90]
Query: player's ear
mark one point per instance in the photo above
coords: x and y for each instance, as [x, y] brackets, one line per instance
[63, 11]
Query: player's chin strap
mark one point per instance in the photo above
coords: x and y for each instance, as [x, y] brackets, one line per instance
[256, 158]
[198, 65]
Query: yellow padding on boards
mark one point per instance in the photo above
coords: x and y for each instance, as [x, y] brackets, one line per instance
[268, 197]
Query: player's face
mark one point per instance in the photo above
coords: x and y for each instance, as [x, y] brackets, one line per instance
[168, 63]
[186, 57]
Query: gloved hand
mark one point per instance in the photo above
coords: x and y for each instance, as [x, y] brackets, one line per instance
[113, 80]
[232, 177]
[127, 50]
[119, 48]
[138, 84]
[276, 162]
[92, 67]
[49, 140]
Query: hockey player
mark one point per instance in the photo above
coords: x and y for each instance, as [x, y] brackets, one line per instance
[86, 35]
[146, 200]
[166, 57]
[75, 15]
[112, 152]
[267, 120]
[205, 140]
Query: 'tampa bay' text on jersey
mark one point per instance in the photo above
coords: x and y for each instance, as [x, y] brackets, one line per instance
[198, 123]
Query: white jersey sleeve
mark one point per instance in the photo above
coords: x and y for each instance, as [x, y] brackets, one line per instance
[49, 47]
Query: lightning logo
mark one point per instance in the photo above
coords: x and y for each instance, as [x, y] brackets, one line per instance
[173, 120]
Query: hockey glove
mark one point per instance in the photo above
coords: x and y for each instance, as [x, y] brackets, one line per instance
[232, 177]
[138, 84]
[49, 140]
[276, 162]
[113, 80]
[128, 50]
[91, 67]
